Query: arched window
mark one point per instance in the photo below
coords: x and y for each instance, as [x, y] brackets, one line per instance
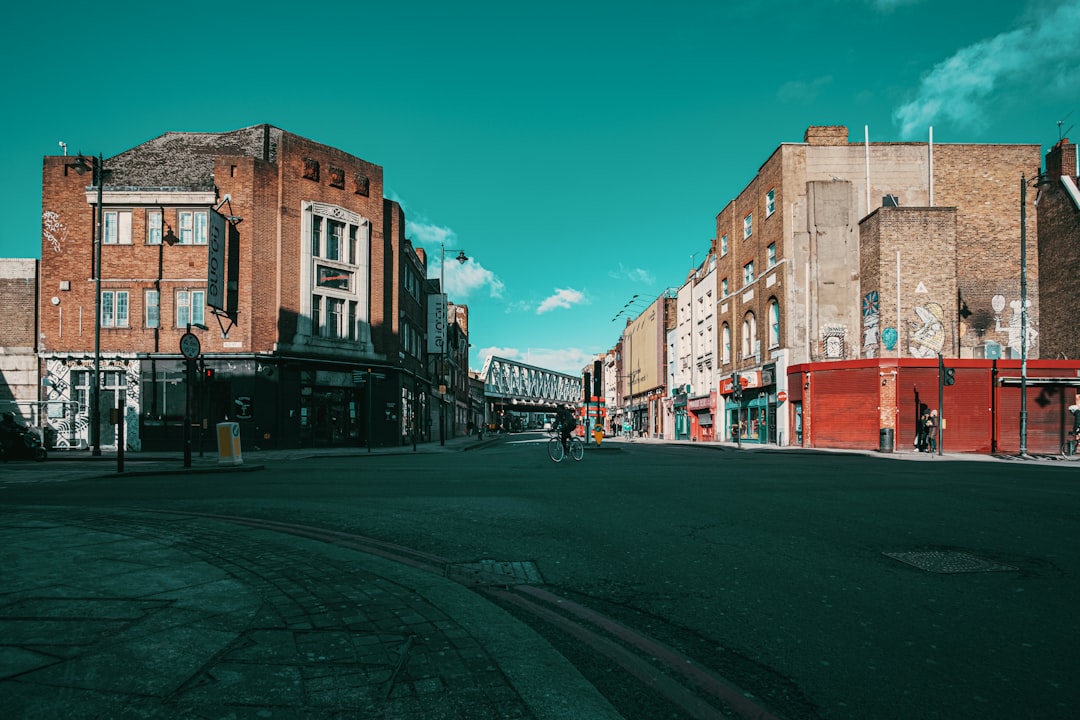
[774, 323]
[726, 346]
[749, 335]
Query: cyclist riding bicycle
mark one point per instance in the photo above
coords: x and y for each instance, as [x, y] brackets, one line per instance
[565, 422]
[1075, 410]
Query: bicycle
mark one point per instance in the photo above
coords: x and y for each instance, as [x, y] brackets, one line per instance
[1070, 449]
[557, 450]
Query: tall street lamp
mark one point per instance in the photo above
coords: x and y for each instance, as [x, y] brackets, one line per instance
[628, 310]
[1040, 182]
[461, 258]
[80, 166]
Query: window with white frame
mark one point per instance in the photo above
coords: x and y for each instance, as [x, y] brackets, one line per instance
[725, 344]
[774, 323]
[748, 273]
[152, 308]
[749, 335]
[338, 242]
[114, 308]
[116, 229]
[193, 226]
[724, 287]
[190, 307]
[772, 254]
[153, 227]
[723, 246]
[748, 226]
[770, 202]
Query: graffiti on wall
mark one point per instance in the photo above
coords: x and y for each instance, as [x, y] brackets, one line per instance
[73, 428]
[871, 313]
[833, 340]
[53, 230]
[1013, 329]
[926, 334]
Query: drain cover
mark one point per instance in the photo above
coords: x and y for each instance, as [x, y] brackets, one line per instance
[495, 572]
[948, 561]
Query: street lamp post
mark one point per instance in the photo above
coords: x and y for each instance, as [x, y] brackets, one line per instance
[628, 310]
[80, 166]
[1040, 182]
[1023, 316]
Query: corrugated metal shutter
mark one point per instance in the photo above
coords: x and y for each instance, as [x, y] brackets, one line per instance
[967, 412]
[917, 385]
[845, 408]
[1047, 419]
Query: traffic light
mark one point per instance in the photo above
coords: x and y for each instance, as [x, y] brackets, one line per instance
[208, 374]
[586, 385]
[950, 376]
[736, 388]
[597, 378]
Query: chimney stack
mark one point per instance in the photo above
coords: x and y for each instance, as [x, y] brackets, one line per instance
[1061, 160]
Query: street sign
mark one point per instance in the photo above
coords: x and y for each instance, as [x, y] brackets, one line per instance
[781, 396]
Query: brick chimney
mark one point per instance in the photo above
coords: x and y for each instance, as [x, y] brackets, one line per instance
[826, 135]
[1061, 160]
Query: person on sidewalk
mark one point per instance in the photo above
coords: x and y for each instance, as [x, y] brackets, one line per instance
[931, 431]
[920, 429]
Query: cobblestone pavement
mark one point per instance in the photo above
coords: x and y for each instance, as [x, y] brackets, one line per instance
[142, 615]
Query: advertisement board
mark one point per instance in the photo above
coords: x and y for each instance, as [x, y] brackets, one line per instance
[215, 272]
[436, 330]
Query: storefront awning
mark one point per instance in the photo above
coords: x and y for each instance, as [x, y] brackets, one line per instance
[705, 419]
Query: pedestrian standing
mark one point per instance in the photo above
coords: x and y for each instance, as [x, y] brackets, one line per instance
[931, 431]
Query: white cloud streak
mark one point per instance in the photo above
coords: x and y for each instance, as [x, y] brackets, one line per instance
[640, 275]
[568, 361]
[563, 298]
[959, 88]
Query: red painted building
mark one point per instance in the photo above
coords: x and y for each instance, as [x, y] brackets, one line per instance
[849, 404]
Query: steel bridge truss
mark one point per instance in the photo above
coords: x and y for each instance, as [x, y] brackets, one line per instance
[509, 381]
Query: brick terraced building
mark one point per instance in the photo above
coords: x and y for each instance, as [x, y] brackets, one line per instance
[326, 343]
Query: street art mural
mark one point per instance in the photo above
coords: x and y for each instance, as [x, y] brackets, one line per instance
[926, 334]
[1013, 329]
[833, 341]
[68, 413]
[53, 230]
[871, 313]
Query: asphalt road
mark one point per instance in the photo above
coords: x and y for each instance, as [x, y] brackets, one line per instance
[824, 585]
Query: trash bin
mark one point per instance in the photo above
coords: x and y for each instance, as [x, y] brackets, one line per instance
[887, 440]
[228, 441]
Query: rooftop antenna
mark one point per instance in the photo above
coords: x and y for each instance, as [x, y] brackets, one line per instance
[1061, 135]
[63, 146]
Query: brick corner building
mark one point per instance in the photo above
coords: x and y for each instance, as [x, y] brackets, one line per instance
[328, 300]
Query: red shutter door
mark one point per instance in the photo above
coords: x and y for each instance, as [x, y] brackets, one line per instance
[1047, 418]
[845, 408]
[968, 419]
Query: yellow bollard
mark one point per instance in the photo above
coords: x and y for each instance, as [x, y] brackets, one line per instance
[598, 434]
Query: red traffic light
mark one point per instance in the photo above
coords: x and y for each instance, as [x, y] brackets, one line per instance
[208, 373]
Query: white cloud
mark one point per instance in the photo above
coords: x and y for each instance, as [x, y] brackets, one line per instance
[568, 361]
[632, 274]
[563, 298]
[462, 279]
[959, 88]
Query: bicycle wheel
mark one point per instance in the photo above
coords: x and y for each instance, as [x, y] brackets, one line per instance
[577, 448]
[1068, 450]
[555, 449]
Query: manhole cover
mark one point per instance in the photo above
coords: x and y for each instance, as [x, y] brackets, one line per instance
[948, 561]
[495, 572]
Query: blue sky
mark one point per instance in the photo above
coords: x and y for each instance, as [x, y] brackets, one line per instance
[577, 152]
